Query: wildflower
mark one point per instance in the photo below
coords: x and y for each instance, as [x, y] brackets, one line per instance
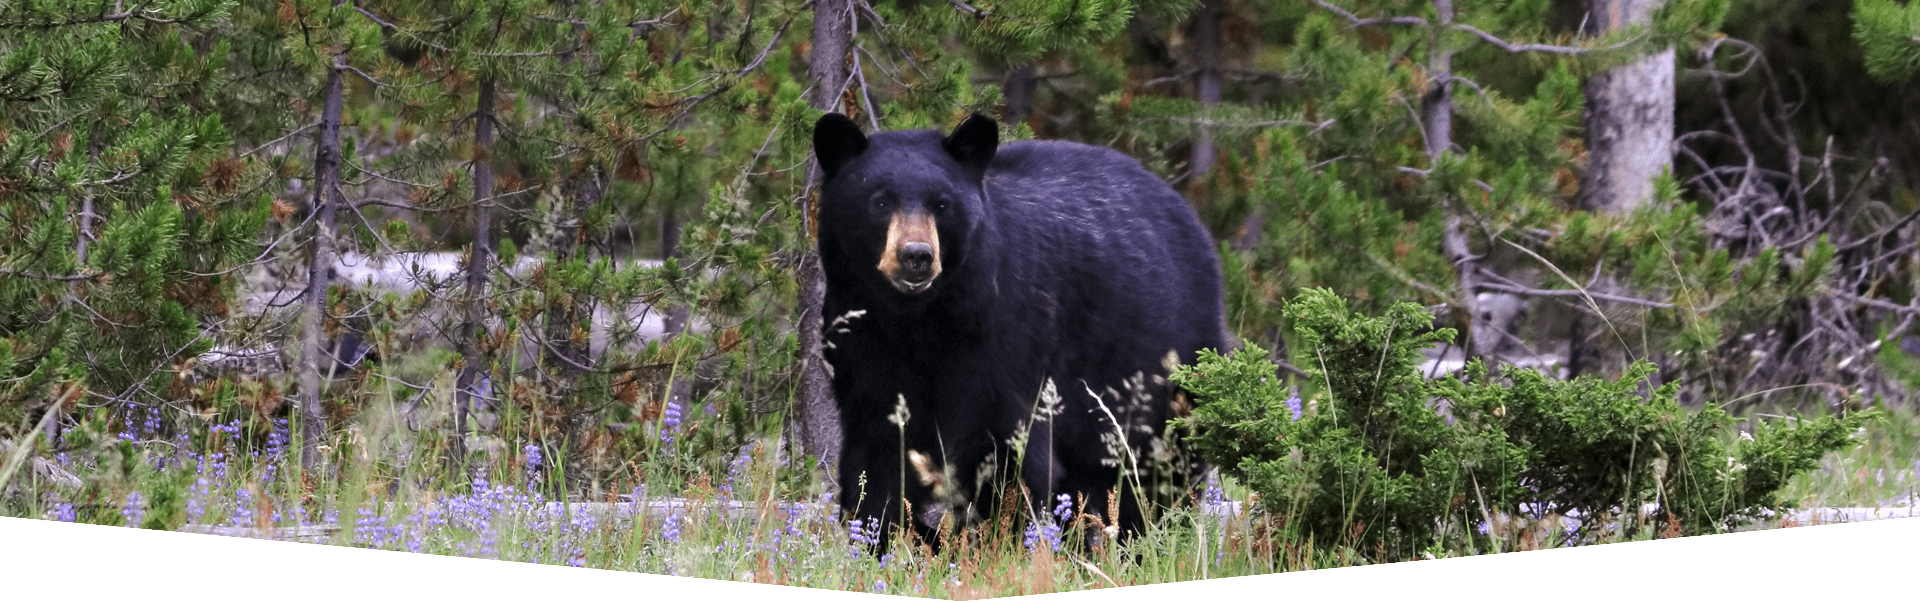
[533, 457]
[242, 508]
[671, 530]
[670, 421]
[1036, 533]
[63, 513]
[135, 509]
[1293, 403]
[864, 531]
[1064, 509]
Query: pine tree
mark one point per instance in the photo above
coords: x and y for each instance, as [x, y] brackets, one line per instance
[125, 207]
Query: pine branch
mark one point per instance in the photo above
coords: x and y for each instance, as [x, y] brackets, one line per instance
[45, 276]
[119, 17]
[1356, 21]
[491, 55]
[767, 50]
[969, 9]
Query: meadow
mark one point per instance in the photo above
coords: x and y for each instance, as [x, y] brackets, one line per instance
[762, 520]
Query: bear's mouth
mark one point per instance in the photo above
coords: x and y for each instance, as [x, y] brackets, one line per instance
[911, 287]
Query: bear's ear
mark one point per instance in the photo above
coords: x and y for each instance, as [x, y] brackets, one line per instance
[836, 141]
[973, 143]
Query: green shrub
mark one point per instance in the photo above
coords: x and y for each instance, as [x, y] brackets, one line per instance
[1388, 462]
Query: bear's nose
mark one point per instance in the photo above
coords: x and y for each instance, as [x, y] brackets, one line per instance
[916, 262]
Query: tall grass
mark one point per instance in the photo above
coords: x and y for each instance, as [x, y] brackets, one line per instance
[388, 487]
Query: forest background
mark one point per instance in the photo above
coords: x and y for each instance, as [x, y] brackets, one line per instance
[573, 235]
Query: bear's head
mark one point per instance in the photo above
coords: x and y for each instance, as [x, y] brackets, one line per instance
[906, 203]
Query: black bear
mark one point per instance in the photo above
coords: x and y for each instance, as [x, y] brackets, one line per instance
[996, 309]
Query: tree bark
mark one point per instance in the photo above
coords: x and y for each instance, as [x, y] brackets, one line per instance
[475, 379]
[1436, 113]
[818, 421]
[1629, 138]
[566, 356]
[326, 198]
[1206, 83]
[673, 320]
[1629, 116]
[1017, 93]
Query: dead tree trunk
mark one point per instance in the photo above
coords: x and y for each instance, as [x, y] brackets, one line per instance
[566, 352]
[1206, 83]
[1017, 93]
[1629, 139]
[673, 320]
[326, 198]
[818, 419]
[475, 379]
[1436, 114]
[1629, 116]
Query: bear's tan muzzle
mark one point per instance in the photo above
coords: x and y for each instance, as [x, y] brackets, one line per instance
[911, 259]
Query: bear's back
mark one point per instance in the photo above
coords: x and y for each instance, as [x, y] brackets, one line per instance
[1098, 204]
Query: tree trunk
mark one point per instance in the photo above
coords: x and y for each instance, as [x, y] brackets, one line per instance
[50, 425]
[475, 379]
[567, 357]
[1017, 93]
[818, 420]
[1206, 83]
[1629, 138]
[326, 198]
[1629, 116]
[1436, 113]
[673, 320]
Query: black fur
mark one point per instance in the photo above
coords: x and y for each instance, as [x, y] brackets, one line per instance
[1062, 261]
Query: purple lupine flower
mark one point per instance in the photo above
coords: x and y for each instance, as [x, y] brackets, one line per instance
[151, 426]
[489, 544]
[242, 508]
[1048, 532]
[63, 513]
[367, 528]
[671, 530]
[533, 457]
[196, 498]
[135, 509]
[1293, 403]
[670, 421]
[1064, 510]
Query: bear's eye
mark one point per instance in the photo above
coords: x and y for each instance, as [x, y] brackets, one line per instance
[940, 204]
[882, 203]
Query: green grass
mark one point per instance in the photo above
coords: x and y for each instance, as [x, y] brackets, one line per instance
[1883, 470]
[382, 484]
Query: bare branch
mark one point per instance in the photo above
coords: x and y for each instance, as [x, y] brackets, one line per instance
[768, 50]
[1541, 48]
[969, 9]
[1359, 22]
[1241, 124]
[281, 139]
[1537, 292]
